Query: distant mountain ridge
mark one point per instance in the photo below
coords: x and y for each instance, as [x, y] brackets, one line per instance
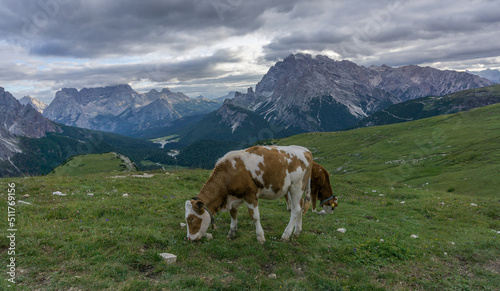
[492, 75]
[123, 110]
[305, 94]
[16, 121]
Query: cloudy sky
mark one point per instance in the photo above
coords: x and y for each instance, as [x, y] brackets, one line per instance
[210, 47]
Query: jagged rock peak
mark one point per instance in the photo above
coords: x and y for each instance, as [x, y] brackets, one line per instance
[33, 102]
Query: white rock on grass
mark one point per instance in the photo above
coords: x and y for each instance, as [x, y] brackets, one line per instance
[58, 193]
[473, 204]
[342, 230]
[413, 236]
[183, 225]
[169, 258]
[125, 195]
[23, 202]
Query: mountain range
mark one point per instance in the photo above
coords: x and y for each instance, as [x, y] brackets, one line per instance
[121, 109]
[304, 93]
[299, 94]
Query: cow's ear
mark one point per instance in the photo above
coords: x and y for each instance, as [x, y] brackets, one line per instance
[198, 206]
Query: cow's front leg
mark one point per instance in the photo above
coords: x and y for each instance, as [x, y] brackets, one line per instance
[253, 210]
[234, 223]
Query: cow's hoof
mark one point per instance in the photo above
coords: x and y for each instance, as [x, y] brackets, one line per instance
[296, 234]
[285, 239]
[261, 240]
[231, 235]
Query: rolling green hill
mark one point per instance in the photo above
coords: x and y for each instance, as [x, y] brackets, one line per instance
[432, 106]
[93, 164]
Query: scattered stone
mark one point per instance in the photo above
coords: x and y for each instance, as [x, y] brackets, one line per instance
[26, 196]
[413, 236]
[342, 230]
[272, 276]
[90, 194]
[452, 243]
[59, 193]
[381, 240]
[23, 202]
[402, 202]
[143, 176]
[169, 258]
[473, 204]
[183, 225]
[445, 253]
[125, 195]
[381, 195]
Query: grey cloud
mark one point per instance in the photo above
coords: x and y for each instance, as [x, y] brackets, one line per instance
[82, 29]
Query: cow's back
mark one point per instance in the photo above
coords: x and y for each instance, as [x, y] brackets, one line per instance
[268, 170]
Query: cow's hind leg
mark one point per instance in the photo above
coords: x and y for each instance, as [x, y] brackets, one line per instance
[253, 210]
[295, 217]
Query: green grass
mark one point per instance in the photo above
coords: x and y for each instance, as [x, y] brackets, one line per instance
[91, 164]
[107, 241]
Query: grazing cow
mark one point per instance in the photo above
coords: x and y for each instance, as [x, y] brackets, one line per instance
[321, 189]
[244, 176]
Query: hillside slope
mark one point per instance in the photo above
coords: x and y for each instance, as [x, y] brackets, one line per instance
[457, 152]
[433, 106]
[94, 164]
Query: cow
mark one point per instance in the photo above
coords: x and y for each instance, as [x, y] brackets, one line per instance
[320, 189]
[244, 176]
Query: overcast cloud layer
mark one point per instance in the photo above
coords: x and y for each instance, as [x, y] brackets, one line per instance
[210, 47]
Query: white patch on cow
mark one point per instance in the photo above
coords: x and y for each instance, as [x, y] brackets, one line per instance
[250, 160]
[205, 217]
[259, 231]
[232, 202]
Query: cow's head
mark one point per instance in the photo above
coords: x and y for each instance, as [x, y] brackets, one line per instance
[329, 204]
[197, 219]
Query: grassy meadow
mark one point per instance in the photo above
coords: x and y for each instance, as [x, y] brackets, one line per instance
[435, 179]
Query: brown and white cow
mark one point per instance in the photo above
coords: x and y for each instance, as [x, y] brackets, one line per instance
[321, 190]
[244, 176]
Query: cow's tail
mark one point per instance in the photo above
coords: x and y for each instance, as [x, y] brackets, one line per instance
[307, 197]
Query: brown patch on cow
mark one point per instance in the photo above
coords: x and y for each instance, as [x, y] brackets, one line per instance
[234, 213]
[273, 171]
[194, 223]
[251, 212]
[198, 206]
